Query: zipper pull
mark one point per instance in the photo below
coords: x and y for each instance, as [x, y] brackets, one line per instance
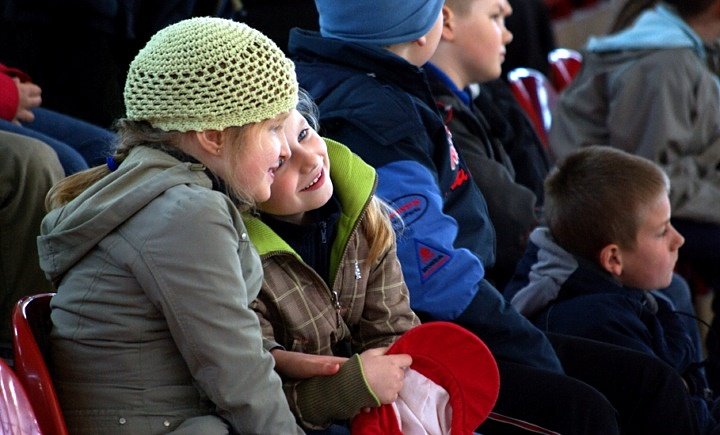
[323, 232]
[358, 276]
[336, 303]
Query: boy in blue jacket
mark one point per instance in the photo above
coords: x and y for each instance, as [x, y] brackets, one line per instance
[590, 271]
[364, 69]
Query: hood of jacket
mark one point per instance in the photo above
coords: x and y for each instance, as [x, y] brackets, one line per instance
[314, 51]
[68, 233]
[659, 27]
[551, 270]
[354, 183]
[558, 275]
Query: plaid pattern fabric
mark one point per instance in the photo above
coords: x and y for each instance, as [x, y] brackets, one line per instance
[299, 312]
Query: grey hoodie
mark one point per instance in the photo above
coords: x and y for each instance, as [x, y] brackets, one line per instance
[553, 267]
[151, 326]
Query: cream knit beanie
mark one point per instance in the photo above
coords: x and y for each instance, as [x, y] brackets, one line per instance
[209, 74]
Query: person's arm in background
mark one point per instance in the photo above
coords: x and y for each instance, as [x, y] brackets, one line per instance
[512, 207]
[18, 95]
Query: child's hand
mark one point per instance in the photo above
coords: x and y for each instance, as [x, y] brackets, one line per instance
[385, 373]
[29, 95]
[299, 365]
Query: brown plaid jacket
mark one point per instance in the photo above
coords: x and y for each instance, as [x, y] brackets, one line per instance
[367, 306]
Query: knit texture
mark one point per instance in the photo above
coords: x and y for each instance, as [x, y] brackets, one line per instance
[209, 74]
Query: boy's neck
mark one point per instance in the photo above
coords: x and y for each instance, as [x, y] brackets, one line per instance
[437, 73]
[411, 51]
[446, 61]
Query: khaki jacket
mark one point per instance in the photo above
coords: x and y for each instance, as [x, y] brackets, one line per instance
[151, 327]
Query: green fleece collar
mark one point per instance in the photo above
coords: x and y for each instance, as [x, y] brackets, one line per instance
[354, 184]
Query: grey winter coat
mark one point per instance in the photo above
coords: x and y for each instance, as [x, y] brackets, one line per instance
[648, 91]
[151, 326]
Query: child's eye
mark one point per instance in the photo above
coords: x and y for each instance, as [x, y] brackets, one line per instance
[281, 161]
[303, 134]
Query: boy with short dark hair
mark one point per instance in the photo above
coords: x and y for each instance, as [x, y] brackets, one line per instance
[607, 243]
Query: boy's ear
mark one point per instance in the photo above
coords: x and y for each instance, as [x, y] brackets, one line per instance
[210, 141]
[610, 258]
[448, 31]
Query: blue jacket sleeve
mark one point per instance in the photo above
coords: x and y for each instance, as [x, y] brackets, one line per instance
[446, 282]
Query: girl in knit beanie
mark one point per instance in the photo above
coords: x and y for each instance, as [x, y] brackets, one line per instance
[200, 76]
[153, 267]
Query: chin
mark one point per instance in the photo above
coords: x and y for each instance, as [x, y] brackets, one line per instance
[665, 283]
[262, 196]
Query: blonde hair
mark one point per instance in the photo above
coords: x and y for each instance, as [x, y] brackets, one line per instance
[460, 7]
[378, 228]
[141, 133]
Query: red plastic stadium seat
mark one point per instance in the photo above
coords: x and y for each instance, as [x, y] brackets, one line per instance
[564, 63]
[31, 330]
[16, 413]
[536, 96]
[559, 9]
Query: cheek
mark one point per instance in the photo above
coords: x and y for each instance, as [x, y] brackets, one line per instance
[247, 171]
[279, 190]
[271, 150]
[657, 268]
[488, 47]
[280, 196]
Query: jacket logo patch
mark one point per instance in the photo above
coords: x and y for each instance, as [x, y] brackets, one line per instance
[430, 260]
[460, 179]
[408, 208]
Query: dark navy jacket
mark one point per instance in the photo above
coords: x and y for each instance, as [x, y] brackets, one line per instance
[381, 107]
[567, 295]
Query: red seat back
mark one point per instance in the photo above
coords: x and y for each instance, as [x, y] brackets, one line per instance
[564, 63]
[536, 96]
[16, 413]
[31, 330]
[559, 9]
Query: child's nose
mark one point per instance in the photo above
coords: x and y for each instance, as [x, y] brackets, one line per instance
[679, 239]
[306, 159]
[285, 151]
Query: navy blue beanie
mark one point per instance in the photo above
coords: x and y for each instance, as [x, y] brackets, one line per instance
[377, 22]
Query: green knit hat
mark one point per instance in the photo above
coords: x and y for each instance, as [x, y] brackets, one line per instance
[209, 74]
